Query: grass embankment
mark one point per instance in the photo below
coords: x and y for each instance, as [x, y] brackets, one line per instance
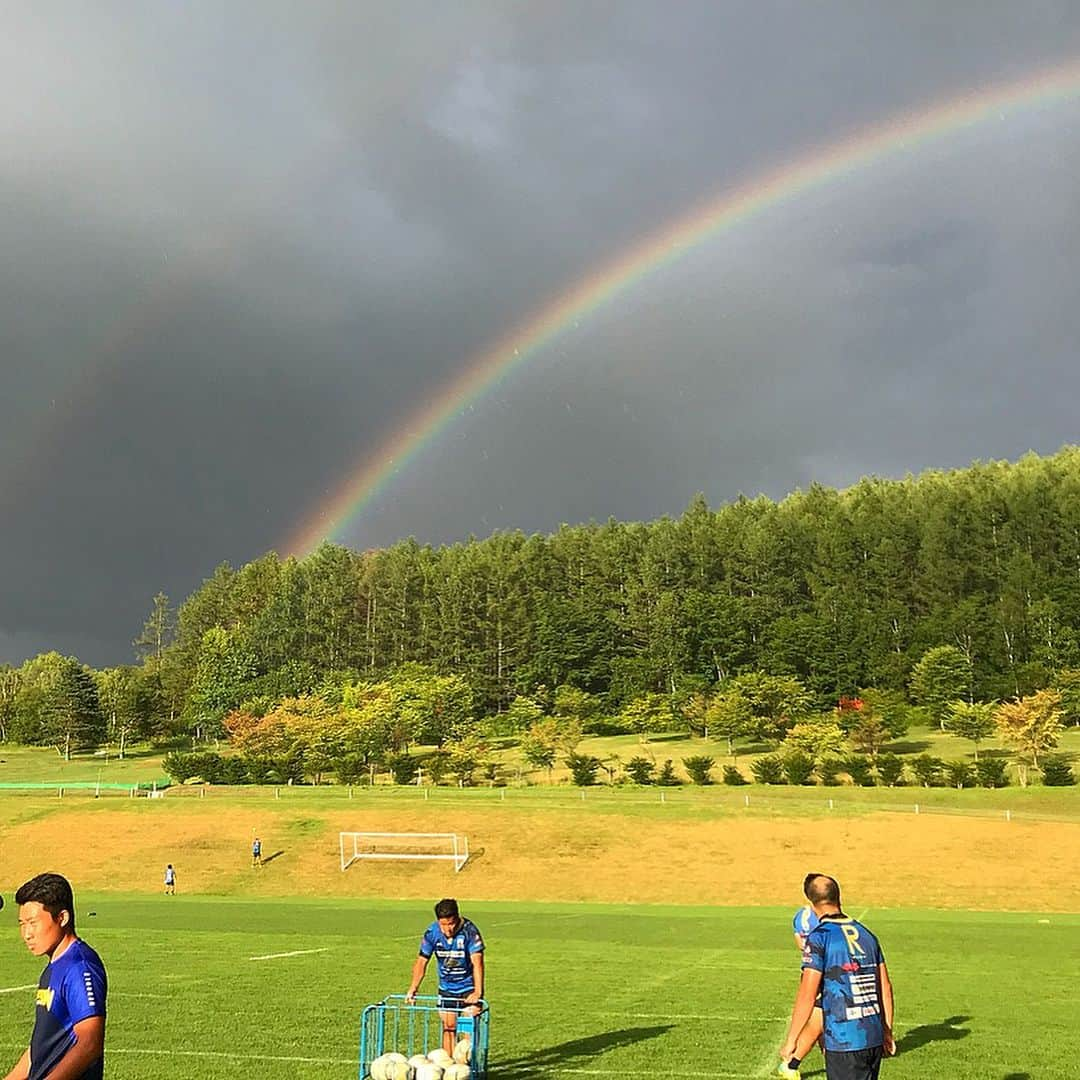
[696, 847]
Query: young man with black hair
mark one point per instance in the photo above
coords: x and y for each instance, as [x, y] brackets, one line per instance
[843, 960]
[68, 1041]
[458, 949]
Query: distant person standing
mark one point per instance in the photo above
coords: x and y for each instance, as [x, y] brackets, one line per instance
[843, 960]
[170, 880]
[68, 1041]
[458, 949]
[256, 853]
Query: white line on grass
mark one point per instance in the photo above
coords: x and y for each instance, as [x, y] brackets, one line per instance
[16, 989]
[282, 955]
[694, 1016]
[156, 1052]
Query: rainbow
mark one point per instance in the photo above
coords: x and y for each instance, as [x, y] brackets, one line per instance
[732, 208]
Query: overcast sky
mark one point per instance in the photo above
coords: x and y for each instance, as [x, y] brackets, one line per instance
[242, 244]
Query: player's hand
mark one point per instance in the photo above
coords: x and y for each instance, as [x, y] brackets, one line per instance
[890, 1044]
[410, 997]
[472, 998]
[787, 1052]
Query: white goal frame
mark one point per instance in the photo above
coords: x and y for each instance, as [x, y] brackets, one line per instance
[351, 845]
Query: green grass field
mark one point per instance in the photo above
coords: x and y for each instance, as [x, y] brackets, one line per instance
[575, 990]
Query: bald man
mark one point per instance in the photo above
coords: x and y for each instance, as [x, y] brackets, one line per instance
[843, 961]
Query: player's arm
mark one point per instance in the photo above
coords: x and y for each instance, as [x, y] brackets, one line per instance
[89, 1047]
[477, 959]
[418, 969]
[21, 1071]
[804, 1006]
[887, 1007]
[800, 942]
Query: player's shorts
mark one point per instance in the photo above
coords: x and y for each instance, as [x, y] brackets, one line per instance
[853, 1064]
[454, 1001]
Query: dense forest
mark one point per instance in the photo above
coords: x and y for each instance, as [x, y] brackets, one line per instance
[838, 592]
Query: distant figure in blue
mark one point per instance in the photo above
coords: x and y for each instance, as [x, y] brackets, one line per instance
[170, 880]
[458, 949]
[69, 1024]
[256, 854]
[843, 961]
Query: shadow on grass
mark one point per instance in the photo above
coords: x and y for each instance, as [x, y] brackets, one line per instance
[275, 855]
[1017, 1076]
[949, 1030]
[574, 1053]
[908, 746]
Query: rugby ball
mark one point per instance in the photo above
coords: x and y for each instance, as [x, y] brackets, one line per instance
[463, 1051]
[429, 1071]
[399, 1070]
[440, 1057]
[457, 1071]
[380, 1067]
[418, 1059]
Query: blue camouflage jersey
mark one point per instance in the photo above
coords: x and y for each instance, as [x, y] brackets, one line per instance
[71, 989]
[805, 920]
[454, 955]
[848, 956]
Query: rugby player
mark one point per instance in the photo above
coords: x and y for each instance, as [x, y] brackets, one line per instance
[458, 949]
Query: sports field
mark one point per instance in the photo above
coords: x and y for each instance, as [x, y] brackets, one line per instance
[202, 988]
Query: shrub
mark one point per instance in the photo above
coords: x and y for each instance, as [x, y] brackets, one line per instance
[990, 772]
[732, 777]
[927, 770]
[1057, 772]
[178, 766]
[829, 769]
[860, 769]
[798, 768]
[699, 769]
[890, 769]
[667, 777]
[233, 770]
[768, 769]
[959, 774]
[583, 768]
[351, 769]
[437, 766]
[640, 770]
[404, 768]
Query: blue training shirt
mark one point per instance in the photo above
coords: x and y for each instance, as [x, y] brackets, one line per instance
[71, 989]
[805, 920]
[454, 955]
[847, 955]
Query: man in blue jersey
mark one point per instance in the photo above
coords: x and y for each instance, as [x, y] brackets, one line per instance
[804, 921]
[843, 961]
[256, 854]
[68, 1042]
[458, 949]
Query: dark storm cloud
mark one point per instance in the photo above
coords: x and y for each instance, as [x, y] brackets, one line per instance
[243, 243]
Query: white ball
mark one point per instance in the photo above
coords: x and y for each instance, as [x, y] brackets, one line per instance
[400, 1070]
[463, 1051]
[440, 1057]
[457, 1071]
[418, 1059]
[429, 1071]
[379, 1068]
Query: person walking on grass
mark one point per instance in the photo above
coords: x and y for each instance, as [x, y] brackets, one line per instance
[843, 960]
[458, 949]
[170, 880]
[804, 921]
[256, 854]
[68, 1040]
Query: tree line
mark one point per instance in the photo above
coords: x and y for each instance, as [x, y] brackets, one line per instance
[973, 574]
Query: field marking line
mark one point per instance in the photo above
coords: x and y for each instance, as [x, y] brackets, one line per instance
[157, 1052]
[282, 955]
[692, 1016]
[16, 989]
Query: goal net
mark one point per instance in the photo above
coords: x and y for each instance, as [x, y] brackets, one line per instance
[438, 847]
